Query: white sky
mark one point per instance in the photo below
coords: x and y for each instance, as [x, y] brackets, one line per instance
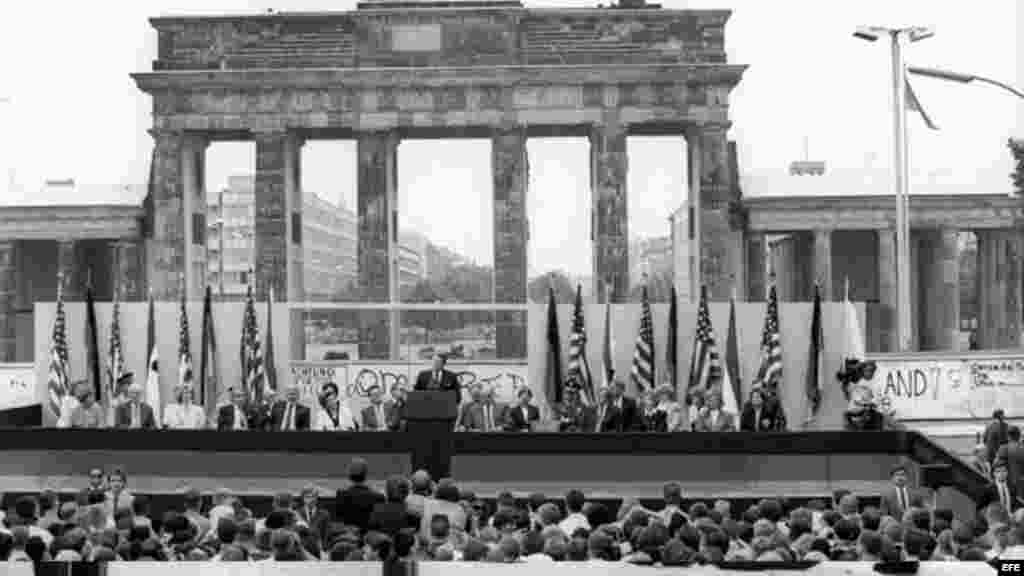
[75, 113]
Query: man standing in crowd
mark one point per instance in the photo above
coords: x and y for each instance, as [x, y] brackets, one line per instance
[1012, 455]
[312, 515]
[289, 414]
[96, 489]
[900, 497]
[1001, 491]
[237, 415]
[996, 434]
[375, 416]
[133, 413]
[354, 504]
[439, 378]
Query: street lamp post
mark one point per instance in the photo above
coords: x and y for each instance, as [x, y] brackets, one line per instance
[963, 78]
[901, 169]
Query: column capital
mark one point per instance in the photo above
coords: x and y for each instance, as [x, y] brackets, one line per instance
[700, 128]
[165, 134]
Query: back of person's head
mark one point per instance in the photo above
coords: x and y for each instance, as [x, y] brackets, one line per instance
[921, 519]
[870, 518]
[358, 470]
[47, 501]
[420, 481]
[847, 530]
[532, 543]
[227, 530]
[597, 514]
[673, 494]
[25, 509]
[474, 551]
[396, 489]
[510, 550]
[283, 501]
[404, 542]
[1014, 433]
[341, 550]
[830, 517]
[577, 550]
[536, 500]
[849, 504]
[771, 510]
[35, 548]
[798, 527]
[574, 501]
[915, 543]
[963, 535]
[447, 493]
[600, 546]
[67, 511]
[192, 499]
[698, 510]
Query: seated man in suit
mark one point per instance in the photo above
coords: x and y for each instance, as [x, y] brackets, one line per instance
[396, 408]
[609, 414]
[289, 414]
[573, 415]
[133, 413]
[713, 418]
[375, 416]
[1001, 491]
[901, 496]
[756, 416]
[439, 378]
[480, 414]
[238, 415]
[524, 416]
[310, 513]
[632, 419]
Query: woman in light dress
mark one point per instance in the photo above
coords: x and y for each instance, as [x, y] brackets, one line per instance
[183, 414]
[665, 403]
[333, 415]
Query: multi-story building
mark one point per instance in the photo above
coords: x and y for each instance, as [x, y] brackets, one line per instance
[412, 246]
[649, 256]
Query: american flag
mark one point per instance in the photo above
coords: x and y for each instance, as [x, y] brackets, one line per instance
[643, 354]
[58, 384]
[115, 357]
[770, 372]
[184, 340]
[578, 368]
[252, 355]
[705, 359]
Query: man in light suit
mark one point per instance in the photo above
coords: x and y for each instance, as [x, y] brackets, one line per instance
[134, 413]
[901, 496]
[479, 415]
[376, 416]
[712, 418]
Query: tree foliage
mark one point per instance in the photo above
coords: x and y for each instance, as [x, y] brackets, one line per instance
[659, 287]
[1017, 177]
[537, 289]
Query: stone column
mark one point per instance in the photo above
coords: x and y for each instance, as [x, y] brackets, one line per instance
[999, 287]
[126, 269]
[756, 267]
[270, 228]
[166, 254]
[823, 264]
[294, 232]
[608, 169]
[511, 176]
[68, 269]
[721, 251]
[377, 153]
[8, 297]
[193, 176]
[940, 294]
[886, 315]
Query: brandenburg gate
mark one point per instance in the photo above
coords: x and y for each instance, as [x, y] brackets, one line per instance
[388, 71]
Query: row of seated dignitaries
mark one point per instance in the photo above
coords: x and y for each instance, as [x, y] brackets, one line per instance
[612, 411]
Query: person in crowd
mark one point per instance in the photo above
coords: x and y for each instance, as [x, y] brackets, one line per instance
[375, 416]
[289, 414]
[632, 419]
[133, 412]
[609, 415]
[1012, 454]
[354, 505]
[980, 461]
[313, 515]
[756, 417]
[393, 516]
[900, 497]
[87, 413]
[524, 416]
[863, 413]
[713, 418]
[396, 407]
[439, 378]
[333, 415]
[667, 409]
[183, 413]
[695, 401]
[238, 415]
[96, 490]
[1001, 491]
[117, 496]
[996, 433]
[573, 414]
[478, 415]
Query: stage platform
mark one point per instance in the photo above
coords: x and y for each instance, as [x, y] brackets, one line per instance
[709, 465]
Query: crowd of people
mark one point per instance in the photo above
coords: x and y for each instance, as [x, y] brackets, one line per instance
[416, 518]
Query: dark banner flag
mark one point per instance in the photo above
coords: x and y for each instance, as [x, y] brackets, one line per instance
[554, 382]
[92, 347]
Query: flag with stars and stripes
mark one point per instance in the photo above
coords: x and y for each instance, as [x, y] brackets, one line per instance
[184, 341]
[57, 383]
[705, 360]
[269, 366]
[578, 367]
[770, 371]
[115, 360]
[643, 355]
[251, 352]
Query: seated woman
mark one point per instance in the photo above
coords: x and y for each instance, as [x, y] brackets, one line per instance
[333, 415]
[661, 412]
[694, 405]
[183, 414]
[712, 418]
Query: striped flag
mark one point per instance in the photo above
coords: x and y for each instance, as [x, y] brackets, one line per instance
[705, 360]
[578, 368]
[269, 367]
[152, 363]
[252, 356]
[731, 374]
[815, 368]
[643, 355]
[672, 341]
[184, 341]
[115, 360]
[208, 373]
[57, 382]
[770, 371]
[607, 358]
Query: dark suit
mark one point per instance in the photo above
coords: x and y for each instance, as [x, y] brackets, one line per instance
[763, 421]
[317, 522]
[226, 418]
[426, 380]
[996, 434]
[277, 416]
[631, 417]
[991, 495]
[611, 421]
[1013, 455]
[890, 503]
[368, 417]
[576, 418]
[354, 505]
[396, 415]
[392, 517]
[517, 421]
[123, 416]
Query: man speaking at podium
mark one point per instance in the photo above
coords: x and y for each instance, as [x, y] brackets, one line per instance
[437, 378]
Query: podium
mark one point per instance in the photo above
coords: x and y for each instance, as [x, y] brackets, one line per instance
[430, 418]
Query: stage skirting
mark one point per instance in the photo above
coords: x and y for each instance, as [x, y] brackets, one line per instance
[475, 569]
